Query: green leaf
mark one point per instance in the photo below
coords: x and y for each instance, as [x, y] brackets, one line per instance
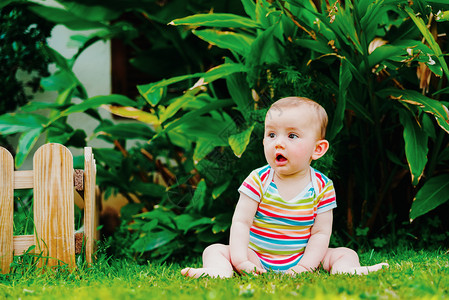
[198, 199]
[223, 71]
[319, 45]
[194, 115]
[148, 189]
[262, 13]
[416, 149]
[383, 53]
[240, 93]
[66, 136]
[344, 81]
[148, 227]
[203, 147]
[127, 131]
[162, 214]
[98, 101]
[26, 142]
[237, 42]
[222, 223]
[15, 123]
[93, 13]
[344, 27]
[216, 130]
[240, 141]
[154, 240]
[433, 193]
[176, 105]
[61, 16]
[135, 114]
[250, 8]
[375, 14]
[7, 2]
[431, 106]
[264, 50]
[218, 190]
[34, 105]
[58, 81]
[216, 20]
[188, 222]
[153, 92]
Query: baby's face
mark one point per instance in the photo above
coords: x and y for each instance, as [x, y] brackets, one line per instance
[291, 135]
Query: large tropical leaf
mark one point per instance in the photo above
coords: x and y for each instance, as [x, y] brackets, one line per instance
[127, 131]
[240, 43]
[217, 20]
[153, 92]
[250, 8]
[154, 240]
[93, 13]
[432, 194]
[16, 122]
[195, 115]
[344, 81]
[62, 16]
[416, 149]
[240, 93]
[98, 101]
[431, 106]
[7, 2]
[135, 114]
[240, 141]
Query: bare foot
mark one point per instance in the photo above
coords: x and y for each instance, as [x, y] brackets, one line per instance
[362, 270]
[211, 272]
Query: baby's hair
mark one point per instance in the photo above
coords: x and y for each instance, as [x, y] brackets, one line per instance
[290, 102]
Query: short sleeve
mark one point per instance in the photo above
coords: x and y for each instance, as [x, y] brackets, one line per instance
[326, 198]
[252, 186]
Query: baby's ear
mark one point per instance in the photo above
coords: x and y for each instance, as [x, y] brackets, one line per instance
[321, 147]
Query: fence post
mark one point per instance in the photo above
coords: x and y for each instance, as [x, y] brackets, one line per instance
[54, 204]
[6, 209]
[89, 201]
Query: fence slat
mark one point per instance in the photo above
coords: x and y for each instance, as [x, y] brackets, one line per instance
[6, 209]
[22, 243]
[89, 201]
[54, 203]
[23, 180]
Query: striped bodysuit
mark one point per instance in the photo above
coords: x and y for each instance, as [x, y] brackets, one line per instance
[281, 229]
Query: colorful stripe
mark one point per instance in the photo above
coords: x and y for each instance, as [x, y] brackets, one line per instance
[281, 229]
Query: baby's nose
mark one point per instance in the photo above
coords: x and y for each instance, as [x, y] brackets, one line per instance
[280, 143]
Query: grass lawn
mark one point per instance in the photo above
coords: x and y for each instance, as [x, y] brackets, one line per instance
[412, 275]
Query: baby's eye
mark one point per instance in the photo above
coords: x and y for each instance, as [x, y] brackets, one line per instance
[293, 136]
[271, 135]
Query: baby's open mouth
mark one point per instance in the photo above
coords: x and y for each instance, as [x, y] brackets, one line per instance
[280, 158]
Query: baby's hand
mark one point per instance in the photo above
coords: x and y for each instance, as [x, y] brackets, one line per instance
[296, 270]
[249, 268]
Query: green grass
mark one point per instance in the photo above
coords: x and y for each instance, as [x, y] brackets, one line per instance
[412, 275]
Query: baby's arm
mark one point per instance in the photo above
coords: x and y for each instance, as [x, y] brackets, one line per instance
[317, 245]
[239, 239]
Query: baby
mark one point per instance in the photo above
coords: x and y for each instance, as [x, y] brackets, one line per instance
[283, 219]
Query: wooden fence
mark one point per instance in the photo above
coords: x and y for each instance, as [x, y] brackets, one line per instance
[53, 181]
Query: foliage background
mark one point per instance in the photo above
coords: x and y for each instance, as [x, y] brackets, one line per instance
[378, 67]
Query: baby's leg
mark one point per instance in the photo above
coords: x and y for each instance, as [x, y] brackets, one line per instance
[345, 260]
[216, 263]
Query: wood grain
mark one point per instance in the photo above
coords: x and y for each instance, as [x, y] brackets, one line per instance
[89, 203]
[6, 209]
[54, 204]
